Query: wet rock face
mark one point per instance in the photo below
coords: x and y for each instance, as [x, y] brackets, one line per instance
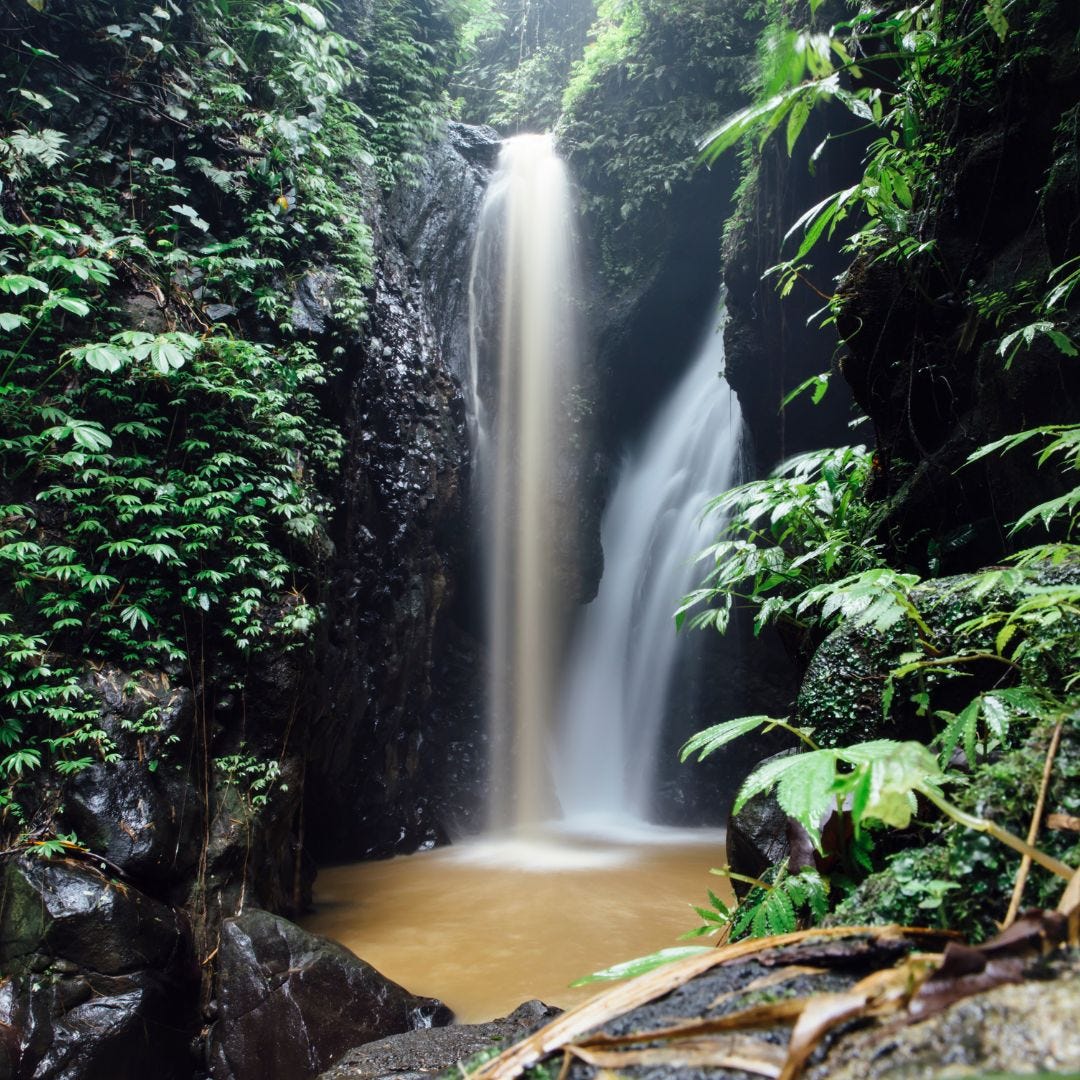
[375, 782]
[434, 219]
[421, 1053]
[770, 348]
[379, 782]
[101, 977]
[290, 1002]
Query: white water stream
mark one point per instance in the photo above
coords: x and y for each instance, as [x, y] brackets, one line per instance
[626, 649]
[523, 363]
[578, 739]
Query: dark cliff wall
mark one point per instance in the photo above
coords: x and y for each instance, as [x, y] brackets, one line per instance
[377, 781]
[772, 344]
[922, 337]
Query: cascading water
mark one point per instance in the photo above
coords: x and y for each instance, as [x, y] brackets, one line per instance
[522, 364]
[626, 650]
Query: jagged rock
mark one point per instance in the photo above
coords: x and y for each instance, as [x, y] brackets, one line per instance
[313, 300]
[1012, 1030]
[421, 1053]
[434, 218]
[377, 782]
[85, 1029]
[96, 970]
[145, 823]
[290, 1002]
[65, 910]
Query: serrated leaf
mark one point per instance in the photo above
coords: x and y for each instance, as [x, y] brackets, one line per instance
[806, 792]
[763, 778]
[712, 738]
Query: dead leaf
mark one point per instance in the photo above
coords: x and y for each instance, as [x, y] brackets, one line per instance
[653, 984]
[1069, 906]
[1070, 898]
[764, 982]
[1063, 821]
[733, 1052]
[972, 969]
[879, 994]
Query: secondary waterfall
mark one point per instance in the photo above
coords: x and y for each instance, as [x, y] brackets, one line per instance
[522, 366]
[626, 649]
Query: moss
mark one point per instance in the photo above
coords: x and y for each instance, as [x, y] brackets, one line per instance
[960, 878]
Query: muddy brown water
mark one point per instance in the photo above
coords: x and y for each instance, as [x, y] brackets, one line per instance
[486, 925]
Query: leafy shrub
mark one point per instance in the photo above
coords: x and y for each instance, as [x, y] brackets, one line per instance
[165, 457]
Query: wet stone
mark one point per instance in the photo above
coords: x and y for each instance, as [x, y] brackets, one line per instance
[289, 1002]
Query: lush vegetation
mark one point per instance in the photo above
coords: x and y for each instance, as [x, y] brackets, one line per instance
[983, 665]
[168, 175]
[518, 61]
[652, 78]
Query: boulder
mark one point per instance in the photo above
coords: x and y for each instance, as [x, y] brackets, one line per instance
[95, 970]
[289, 1002]
[62, 910]
[426, 1052]
[57, 1027]
[146, 823]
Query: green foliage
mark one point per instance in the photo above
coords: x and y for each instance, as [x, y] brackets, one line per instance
[164, 456]
[253, 776]
[906, 75]
[411, 49]
[1061, 447]
[801, 538]
[773, 905]
[654, 75]
[518, 57]
[960, 878]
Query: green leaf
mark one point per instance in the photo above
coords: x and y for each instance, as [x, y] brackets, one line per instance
[101, 357]
[90, 435]
[628, 969]
[712, 738]
[807, 793]
[312, 16]
[995, 16]
[764, 777]
[192, 215]
[165, 356]
[17, 284]
[74, 305]
[9, 321]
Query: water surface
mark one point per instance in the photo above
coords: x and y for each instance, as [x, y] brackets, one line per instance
[486, 925]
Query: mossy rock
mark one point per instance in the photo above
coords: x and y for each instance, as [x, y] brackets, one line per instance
[843, 694]
[960, 878]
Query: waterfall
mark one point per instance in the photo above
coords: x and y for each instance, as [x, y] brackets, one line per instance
[522, 366]
[625, 651]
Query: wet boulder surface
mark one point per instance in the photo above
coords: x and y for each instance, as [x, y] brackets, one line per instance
[430, 1052]
[290, 1002]
[100, 982]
